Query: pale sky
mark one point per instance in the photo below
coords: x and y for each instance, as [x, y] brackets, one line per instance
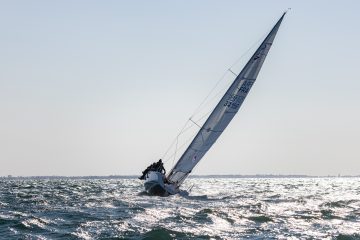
[103, 87]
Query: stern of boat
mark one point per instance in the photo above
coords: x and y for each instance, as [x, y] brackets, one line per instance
[154, 183]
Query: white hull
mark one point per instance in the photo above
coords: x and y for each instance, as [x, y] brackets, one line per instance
[154, 184]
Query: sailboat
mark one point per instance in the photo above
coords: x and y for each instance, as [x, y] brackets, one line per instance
[155, 181]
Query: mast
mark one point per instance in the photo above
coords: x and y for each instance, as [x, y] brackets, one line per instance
[224, 111]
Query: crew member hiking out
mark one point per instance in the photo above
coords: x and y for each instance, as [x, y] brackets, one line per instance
[160, 167]
[156, 166]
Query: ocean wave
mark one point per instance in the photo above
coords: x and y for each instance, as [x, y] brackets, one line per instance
[260, 219]
[348, 237]
[166, 234]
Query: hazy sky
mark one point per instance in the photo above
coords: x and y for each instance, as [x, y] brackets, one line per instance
[103, 87]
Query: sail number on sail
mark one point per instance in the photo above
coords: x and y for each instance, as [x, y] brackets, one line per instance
[234, 101]
[245, 87]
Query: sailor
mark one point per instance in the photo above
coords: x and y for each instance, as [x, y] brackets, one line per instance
[156, 166]
[160, 167]
[152, 167]
[142, 177]
[149, 168]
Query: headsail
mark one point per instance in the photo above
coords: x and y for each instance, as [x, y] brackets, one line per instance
[224, 111]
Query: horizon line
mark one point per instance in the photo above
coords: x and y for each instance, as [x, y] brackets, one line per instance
[191, 176]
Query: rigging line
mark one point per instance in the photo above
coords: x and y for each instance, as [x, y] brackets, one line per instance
[175, 139]
[188, 140]
[183, 130]
[202, 117]
[233, 72]
[214, 98]
[226, 72]
[211, 91]
[248, 50]
[184, 144]
[195, 123]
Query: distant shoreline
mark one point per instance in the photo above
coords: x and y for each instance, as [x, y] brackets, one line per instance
[192, 176]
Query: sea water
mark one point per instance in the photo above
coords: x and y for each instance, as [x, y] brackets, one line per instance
[215, 208]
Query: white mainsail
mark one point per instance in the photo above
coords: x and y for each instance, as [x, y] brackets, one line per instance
[223, 113]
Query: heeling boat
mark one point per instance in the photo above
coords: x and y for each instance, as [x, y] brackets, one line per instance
[156, 183]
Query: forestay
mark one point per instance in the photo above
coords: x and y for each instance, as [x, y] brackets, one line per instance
[224, 111]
